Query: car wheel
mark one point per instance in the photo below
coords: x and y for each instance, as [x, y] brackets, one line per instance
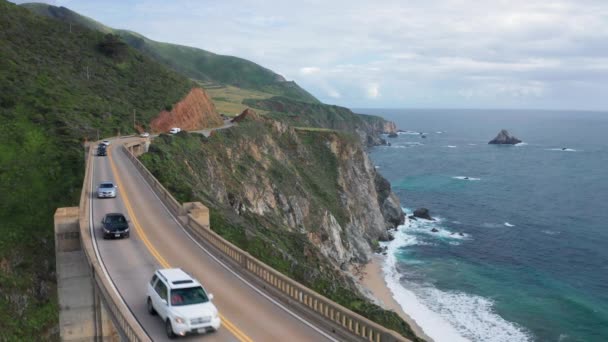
[169, 329]
[151, 310]
[127, 235]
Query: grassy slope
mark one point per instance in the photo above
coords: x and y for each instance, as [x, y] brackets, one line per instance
[47, 106]
[195, 63]
[229, 99]
[318, 115]
[186, 164]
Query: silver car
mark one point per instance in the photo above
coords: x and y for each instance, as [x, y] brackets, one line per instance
[106, 189]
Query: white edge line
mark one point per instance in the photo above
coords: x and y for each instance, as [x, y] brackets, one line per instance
[293, 314]
[101, 263]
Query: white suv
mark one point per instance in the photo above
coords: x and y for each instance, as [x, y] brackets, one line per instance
[182, 303]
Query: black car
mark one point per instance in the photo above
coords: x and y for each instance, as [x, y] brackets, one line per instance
[115, 225]
[102, 151]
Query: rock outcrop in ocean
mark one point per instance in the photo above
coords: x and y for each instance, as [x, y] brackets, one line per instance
[423, 213]
[504, 138]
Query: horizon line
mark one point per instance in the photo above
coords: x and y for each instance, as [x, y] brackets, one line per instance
[481, 108]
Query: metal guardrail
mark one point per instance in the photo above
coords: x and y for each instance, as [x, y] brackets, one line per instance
[321, 306]
[124, 320]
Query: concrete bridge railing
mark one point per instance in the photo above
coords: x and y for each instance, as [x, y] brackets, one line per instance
[293, 293]
[73, 234]
[106, 301]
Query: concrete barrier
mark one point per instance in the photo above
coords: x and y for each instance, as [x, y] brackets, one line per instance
[197, 222]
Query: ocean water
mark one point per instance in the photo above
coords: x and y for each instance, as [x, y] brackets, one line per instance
[521, 252]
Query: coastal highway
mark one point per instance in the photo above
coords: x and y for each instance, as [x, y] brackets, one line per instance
[158, 241]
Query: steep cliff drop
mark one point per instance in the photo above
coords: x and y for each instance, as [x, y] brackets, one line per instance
[195, 111]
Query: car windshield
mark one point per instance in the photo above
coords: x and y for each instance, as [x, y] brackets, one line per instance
[106, 185]
[188, 296]
[115, 219]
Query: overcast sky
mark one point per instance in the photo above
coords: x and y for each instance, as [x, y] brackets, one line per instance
[416, 53]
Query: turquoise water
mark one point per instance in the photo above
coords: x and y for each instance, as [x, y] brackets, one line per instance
[532, 261]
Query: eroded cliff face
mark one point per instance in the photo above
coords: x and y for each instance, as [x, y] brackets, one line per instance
[193, 112]
[305, 114]
[320, 184]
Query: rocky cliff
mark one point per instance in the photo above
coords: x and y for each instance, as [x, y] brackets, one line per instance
[193, 112]
[304, 114]
[306, 201]
[321, 184]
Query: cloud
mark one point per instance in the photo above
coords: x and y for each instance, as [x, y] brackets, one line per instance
[500, 88]
[309, 70]
[373, 90]
[333, 93]
[446, 53]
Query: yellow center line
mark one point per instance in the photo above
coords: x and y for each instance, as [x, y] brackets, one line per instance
[226, 323]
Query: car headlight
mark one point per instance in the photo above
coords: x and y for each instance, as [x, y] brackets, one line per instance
[179, 320]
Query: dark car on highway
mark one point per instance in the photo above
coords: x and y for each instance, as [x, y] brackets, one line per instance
[115, 225]
[101, 150]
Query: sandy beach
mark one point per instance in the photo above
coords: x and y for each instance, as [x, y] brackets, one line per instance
[372, 278]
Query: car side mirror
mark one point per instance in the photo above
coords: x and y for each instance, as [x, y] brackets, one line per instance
[210, 296]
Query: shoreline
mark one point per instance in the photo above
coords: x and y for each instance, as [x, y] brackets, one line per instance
[371, 277]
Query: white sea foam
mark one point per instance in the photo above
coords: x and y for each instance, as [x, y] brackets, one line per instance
[425, 228]
[444, 316]
[563, 149]
[491, 225]
[521, 144]
[450, 146]
[439, 132]
[409, 133]
[550, 232]
[472, 144]
[472, 316]
[509, 224]
[466, 178]
[406, 144]
[434, 325]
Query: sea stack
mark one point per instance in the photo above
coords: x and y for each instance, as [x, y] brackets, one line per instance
[423, 213]
[504, 138]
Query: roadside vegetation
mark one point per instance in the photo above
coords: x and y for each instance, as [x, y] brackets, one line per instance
[58, 86]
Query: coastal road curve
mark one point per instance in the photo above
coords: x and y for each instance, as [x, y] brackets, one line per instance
[158, 241]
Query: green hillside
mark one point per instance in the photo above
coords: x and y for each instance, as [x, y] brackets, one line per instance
[197, 64]
[57, 87]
